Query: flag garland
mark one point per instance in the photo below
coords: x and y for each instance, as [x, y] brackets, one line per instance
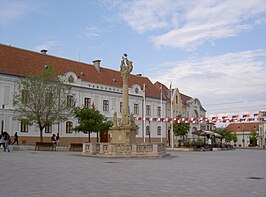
[215, 119]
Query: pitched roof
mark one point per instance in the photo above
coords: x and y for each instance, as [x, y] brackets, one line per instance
[21, 62]
[243, 127]
[185, 98]
[165, 90]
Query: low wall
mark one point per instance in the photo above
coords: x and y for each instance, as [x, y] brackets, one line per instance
[124, 150]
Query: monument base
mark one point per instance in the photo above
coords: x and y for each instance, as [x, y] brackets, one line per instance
[150, 150]
[124, 134]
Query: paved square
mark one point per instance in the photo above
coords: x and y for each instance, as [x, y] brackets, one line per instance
[225, 173]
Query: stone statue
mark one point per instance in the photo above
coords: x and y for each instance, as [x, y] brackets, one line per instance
[115, 120]
[126, 66]
[131, 119]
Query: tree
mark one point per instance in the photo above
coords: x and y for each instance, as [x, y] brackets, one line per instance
[234, 137]
[42, 100]
[225, 134]
[253, 136]
[91, 120]
[181, 129]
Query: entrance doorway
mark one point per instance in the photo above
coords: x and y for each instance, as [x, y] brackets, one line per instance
[104, 136]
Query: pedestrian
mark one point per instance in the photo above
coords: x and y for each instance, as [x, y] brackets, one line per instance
[15, 138]
[2, 142]
[209, 141]
[7, 141]
[53, 139]
[57, 139]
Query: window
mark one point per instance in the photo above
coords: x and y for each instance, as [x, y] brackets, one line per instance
[159, 111]
[69, 126]
[105, 105]
[148, 109]
[136, 108]
[25, 96]
[148, 130]
[48, 129]
[6, 95]
[176, 99]
[70, 101]
[159, 130]
[87, 102]
[121, 107]
[24, 126]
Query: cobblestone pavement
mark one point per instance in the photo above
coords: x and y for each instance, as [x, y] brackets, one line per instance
[225, 173]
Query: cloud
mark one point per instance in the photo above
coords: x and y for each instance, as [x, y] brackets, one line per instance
[92, 32]
[145, 15]
[48, 45]
[188, 24]
[12, 11]
[219, 79]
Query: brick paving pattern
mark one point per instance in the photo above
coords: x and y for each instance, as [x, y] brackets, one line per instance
[67, 174]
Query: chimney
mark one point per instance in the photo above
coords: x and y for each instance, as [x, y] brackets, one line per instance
[96, 64]
[44, 51]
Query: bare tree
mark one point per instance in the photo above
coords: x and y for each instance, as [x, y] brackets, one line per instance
[42, 100]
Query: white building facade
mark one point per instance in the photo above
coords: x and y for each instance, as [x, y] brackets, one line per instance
[106, 97]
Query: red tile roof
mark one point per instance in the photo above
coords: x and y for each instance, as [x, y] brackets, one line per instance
[21, 62]
[246, 126]
[185, 98]
[165, 90]
[166, 93]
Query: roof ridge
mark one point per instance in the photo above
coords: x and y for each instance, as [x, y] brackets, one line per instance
[38, 53]
[63, 58]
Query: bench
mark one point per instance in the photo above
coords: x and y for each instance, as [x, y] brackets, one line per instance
[77, 146]
[45, 144]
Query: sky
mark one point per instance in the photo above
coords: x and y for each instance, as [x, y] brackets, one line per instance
[212, 50]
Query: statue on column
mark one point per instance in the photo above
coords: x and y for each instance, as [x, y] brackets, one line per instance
[126, 66]
[124, 132]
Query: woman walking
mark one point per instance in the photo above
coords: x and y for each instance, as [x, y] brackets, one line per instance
[15, 138]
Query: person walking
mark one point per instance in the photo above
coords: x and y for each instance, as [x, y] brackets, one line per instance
[57, 139]
[15, 138]
[7, 141]
[2, 142]
[53, 139]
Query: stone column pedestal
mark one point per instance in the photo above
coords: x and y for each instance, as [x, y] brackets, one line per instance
[124, 135]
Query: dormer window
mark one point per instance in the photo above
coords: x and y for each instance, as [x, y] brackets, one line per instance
[70, 79]
[136, 90]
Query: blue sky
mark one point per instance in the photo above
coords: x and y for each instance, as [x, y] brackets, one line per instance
[209, 49]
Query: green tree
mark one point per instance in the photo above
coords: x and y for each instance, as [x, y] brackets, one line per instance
[181, 129]
[234, 136]
[42, 100]
[225, 134]
[91, 120]
[253, 136]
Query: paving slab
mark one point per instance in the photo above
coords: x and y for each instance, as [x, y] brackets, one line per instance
[208, 174]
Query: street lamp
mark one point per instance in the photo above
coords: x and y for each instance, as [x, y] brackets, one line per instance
[243, 140]
[2, 121]
[241, 127]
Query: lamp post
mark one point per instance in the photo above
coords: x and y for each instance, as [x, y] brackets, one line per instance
[2, 121]
[243, 140]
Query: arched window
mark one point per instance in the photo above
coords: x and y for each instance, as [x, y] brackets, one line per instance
[48, 129]
[24, 124]
[69, 126]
